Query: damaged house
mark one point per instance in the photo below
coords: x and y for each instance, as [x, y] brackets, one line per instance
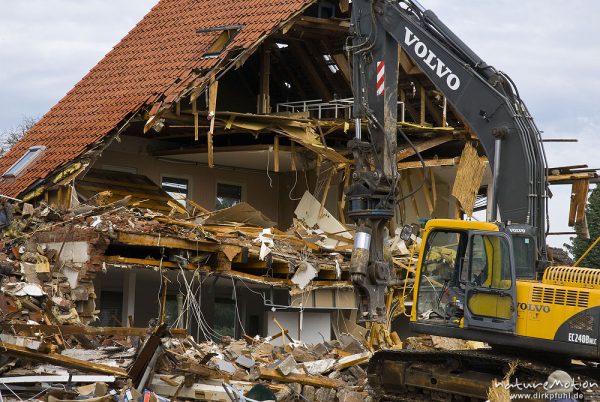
[203, 162]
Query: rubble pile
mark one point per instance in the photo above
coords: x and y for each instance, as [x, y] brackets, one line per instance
[52, 350]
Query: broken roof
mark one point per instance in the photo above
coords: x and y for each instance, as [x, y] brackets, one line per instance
[160, 58]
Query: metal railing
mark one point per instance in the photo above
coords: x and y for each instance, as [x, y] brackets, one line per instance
[322, 110]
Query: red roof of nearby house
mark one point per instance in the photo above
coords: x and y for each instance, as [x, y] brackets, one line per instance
[159, 54]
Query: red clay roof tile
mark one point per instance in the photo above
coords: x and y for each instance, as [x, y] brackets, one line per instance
[156, 56]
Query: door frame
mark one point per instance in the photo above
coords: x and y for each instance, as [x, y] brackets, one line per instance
[484, 322]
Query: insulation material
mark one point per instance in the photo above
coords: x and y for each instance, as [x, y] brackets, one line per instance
[468, 178]
[308, 211]
[305, 273]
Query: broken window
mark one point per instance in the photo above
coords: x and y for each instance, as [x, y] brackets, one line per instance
[30, 155]
[176, 188]
[225, 37]
[228, 195]
[224, 317]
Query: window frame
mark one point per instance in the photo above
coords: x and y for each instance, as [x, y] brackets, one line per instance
[242, 187]
[507, 242]
[33, 153]
[226, 34]
[179, 177]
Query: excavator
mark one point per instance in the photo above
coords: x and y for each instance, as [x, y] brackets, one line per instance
[481, 281]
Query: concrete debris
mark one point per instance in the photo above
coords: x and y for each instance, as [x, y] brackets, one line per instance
[50, 260]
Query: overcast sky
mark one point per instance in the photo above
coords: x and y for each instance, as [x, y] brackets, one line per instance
[551, 49]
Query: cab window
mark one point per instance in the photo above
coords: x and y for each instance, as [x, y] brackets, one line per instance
[439, 267]
[525, 252]
[490, 262]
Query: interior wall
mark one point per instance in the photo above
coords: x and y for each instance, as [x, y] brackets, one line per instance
[309, 327]
[132, 154]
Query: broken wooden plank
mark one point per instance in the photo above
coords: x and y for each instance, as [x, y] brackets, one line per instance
[352, 360]
[60, 360]
[468, 178]
[429, 163]
[84, 330]
[144, 358]
[570, 176]
[579, 195]
[212, 105]
[119, 260]
[313, 380]
[151, 240]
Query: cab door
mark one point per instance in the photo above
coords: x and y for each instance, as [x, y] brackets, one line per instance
[490, 290]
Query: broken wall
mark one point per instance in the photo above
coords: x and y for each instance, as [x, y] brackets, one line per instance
[133, 154]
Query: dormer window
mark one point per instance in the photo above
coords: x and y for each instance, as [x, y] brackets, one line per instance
[30, 155]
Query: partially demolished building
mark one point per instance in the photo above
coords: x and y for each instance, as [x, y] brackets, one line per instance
[196, 173]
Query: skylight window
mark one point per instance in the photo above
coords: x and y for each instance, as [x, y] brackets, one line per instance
[30, 155]
[226, 35]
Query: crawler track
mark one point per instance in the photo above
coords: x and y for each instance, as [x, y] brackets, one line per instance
[463, 375]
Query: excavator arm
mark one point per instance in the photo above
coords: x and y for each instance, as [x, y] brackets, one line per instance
[485, 99]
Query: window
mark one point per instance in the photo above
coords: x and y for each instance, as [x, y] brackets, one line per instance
[490, 262]
[228, 195]
[224, 324]
[176, 188]
[525, 253]
[226, 35]
[30, 155]
[439, 268]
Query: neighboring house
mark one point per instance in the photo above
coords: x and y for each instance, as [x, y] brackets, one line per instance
[220, 102]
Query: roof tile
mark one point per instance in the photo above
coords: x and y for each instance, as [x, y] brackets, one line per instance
[158, 54]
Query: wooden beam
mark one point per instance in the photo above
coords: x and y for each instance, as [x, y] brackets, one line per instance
[342, 62]
[331, 25]
[330, 175]
[119, 260]
[291, 75]
[307, 63]
[276, 154]
[429, 163]
[263, 101]
[225, 149]
[570, 176]
[212, 110]
[150, 240]
[61, 361]
[410, 191]
[50, 330]
[424, 146]
[352, 360]
[196, 122]
[423, 110]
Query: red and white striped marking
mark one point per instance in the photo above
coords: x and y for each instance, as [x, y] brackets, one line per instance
[380, 77]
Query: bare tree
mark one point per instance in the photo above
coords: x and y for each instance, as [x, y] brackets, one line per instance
[9, 137]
